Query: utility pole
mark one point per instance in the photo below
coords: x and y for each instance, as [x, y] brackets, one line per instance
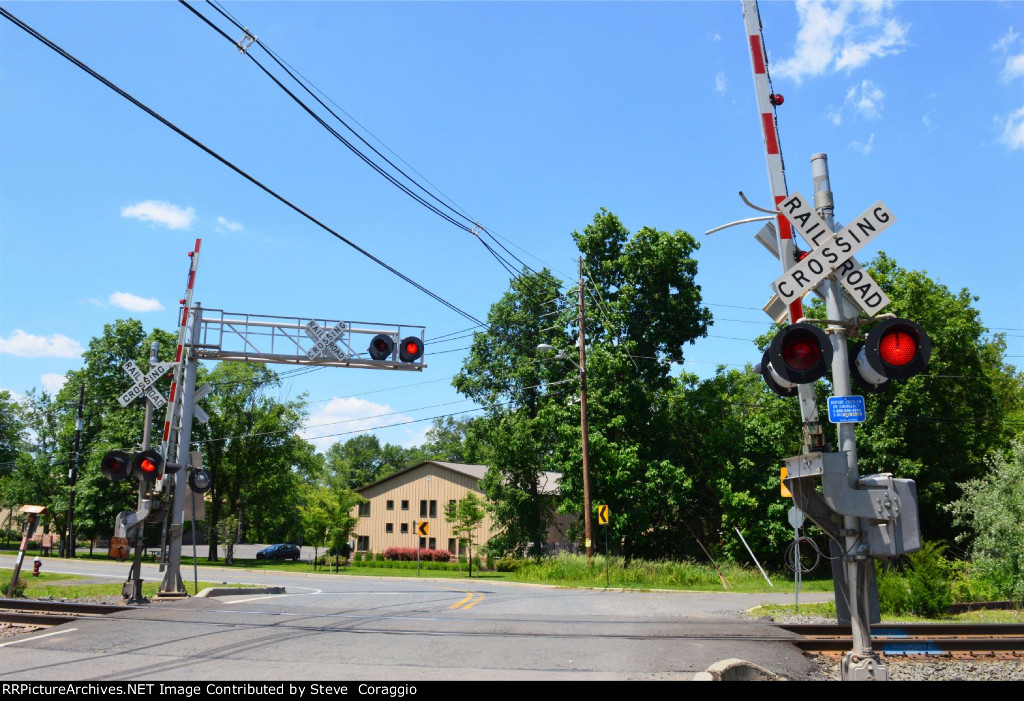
[588, 517]
[69, 540]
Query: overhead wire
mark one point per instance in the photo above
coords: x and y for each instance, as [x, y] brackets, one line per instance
[452, 215]
[64, 54]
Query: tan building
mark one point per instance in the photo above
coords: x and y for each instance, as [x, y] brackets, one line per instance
[420, 493]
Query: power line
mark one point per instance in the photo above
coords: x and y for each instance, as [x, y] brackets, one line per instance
[451, 215]
[51, 45]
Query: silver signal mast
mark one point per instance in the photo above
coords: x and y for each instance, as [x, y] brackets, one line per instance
[237, 337]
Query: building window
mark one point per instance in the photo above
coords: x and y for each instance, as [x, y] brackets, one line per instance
[423, 508]
[452, 545]
[389, 528]
[433, 508]
[405, 504]
[423, 543]
[433, 544]
[405, 528]
[363, 543]
[364, 509]
[391, 505]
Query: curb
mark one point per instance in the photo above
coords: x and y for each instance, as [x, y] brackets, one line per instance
[238, 591]
[735, 670]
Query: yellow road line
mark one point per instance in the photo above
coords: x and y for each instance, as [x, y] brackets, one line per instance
[474, 603]
[467, 602]
[463, 601]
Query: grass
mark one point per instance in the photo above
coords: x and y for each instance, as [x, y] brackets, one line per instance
[828, 610]
[54, 585]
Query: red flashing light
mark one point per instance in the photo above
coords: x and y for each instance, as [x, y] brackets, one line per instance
[801, 353]
[897, 348]
[411, 349]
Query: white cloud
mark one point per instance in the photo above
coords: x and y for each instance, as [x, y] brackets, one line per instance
[341, 418]
[1014, 68]
[1013, 123]
[1013, 130]
[720, 83]
[929, 119]
[1006, 41]
[866, 98]
[841, 37]
[163, 213]
[864, 148]
[134, 303]
[26, 345]
[52, 382]
[229, 225]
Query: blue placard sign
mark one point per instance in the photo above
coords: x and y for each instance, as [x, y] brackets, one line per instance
[846, 410]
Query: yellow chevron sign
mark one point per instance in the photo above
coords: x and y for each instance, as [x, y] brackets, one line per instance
[423, 527]
[602, 514]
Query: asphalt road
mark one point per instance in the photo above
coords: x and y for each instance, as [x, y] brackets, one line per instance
[330, 627]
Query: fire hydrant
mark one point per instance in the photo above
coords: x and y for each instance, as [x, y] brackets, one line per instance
[36, 564]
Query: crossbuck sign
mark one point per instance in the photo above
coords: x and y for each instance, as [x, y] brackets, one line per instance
[833, 253]
[144, 383]
[325, 340]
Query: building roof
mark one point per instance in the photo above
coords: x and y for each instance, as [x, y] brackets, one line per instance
[475, 471]
[548, 481]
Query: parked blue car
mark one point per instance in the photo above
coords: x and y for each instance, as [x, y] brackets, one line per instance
[281, 551]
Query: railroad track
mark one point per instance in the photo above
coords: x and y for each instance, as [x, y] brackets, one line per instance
[44, 614]
[1003, 641]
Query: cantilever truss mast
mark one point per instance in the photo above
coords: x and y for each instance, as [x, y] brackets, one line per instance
[257, 338]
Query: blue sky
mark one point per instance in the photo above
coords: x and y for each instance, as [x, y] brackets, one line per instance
[529, 116]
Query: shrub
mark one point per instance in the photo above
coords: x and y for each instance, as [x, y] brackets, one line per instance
[19, 588]
[893, 590]
[504, 564]
[409, 555]
[931, 592]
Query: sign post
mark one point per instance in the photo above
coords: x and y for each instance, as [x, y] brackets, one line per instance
[602, 518]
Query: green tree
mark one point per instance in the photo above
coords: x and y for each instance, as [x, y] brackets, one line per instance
[446, 441]
[32, 475]
[992, 511]
[325, 514]
[106, 424]
[362, 460]
[646, 307]
[465, 516]
[733, 435]
[254, 453]
[506, 374]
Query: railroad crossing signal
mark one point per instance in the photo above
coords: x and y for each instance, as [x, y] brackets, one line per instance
[423, 528]
[411, 349]
[116, 465]
[602, 514]
[144, 383]
[148, 465]
[381, 347]
[895, 349]
[799, 353]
